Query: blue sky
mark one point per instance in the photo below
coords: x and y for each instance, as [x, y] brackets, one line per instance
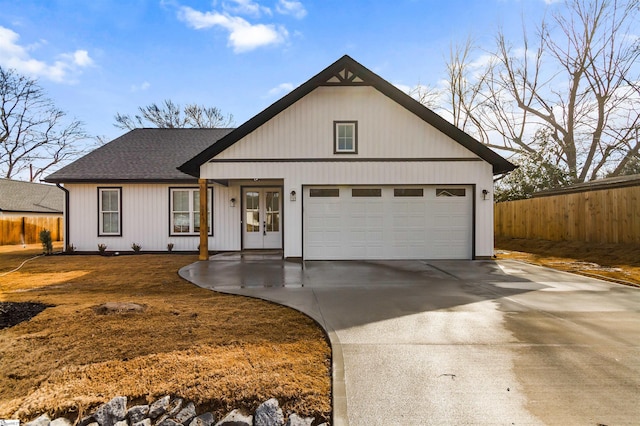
[97, 58]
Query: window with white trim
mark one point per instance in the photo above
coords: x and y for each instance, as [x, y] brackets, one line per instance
[185, 211]
[345, 137]
[109, 211]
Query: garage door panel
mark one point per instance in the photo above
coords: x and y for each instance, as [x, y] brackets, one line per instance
[387, 226]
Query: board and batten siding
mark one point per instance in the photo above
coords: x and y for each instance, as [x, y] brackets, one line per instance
[145, 219]
[385, 129]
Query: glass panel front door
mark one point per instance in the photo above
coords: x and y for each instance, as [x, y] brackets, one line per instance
[262, 227]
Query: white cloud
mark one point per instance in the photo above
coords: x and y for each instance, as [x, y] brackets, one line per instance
[243, 36]
[82, 59]
[140, 87]
[18, 57]
[246, 7]
[291, 7]
[281, 89]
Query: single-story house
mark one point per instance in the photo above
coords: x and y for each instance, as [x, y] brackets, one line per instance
[346, 166]
[18, 198]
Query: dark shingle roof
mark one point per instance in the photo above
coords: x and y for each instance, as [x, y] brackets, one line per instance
[356, 75]
[28, 197]
[140, 155]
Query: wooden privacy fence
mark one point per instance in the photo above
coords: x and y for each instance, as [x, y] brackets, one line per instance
[26, 230]
[602, 216]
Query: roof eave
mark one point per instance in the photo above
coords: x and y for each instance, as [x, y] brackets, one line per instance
[87, 180]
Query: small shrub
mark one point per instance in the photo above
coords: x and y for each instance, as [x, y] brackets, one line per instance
[70, 248]
[170, 247]
[136, 247]
[102, 248]
[47, 242]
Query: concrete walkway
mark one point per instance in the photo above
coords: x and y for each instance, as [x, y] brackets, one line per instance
[457, 342]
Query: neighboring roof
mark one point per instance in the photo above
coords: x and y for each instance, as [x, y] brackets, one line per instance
[594, 185]
[346, 71]
[28, 197]
[141, 155]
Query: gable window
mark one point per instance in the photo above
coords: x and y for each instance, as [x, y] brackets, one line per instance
[345, 134]
[185, 211]
[109, 212]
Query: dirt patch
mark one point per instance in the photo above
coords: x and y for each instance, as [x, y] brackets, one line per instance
[13, 313]
[118, 308]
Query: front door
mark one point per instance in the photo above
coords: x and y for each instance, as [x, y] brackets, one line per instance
[262, 218]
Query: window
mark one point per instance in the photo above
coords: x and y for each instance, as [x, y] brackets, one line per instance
[109, 214]
[408, 192]
[345, 134]
[185, 211]
[321, 192]
[450, 192]
[366, 192]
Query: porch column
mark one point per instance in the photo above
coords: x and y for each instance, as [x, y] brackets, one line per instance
[204, 215]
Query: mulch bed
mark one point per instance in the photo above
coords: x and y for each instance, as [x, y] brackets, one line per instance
[13, 313]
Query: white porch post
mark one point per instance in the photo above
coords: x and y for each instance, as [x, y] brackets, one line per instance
[204, 215]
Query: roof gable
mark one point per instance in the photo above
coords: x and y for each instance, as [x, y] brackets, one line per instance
[347, 72]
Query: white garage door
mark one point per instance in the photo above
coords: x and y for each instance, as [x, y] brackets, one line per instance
[384, 222]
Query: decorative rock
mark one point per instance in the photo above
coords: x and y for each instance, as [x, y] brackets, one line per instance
[137, 413]
[112, 412]
[43, 420]
[296, 420]
[86, 421]
[159, 407]
[205, 419]
[269, 413]
[174, 407]
[186, 414]
[172, 412]
[144, 422]
[236, 418]
[168, 422]
[162, 418]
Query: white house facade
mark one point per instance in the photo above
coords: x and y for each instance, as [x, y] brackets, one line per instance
[346, 166]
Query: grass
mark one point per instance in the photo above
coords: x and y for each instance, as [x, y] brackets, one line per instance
[616, 262]
[219, 351]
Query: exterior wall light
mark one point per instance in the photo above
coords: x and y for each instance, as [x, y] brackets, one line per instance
[292, 195]
[233, 202]
[485, 194]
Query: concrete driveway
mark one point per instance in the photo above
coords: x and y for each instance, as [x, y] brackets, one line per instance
[458, 342]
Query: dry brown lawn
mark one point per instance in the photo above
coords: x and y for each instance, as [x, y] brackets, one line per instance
[220, 351]
[616, 262]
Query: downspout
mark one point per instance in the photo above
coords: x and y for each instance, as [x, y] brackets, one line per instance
[66, 216]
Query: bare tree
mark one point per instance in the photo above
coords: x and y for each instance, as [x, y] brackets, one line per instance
[568, 95]
[34, 133]
[580, 82]
[170, 115]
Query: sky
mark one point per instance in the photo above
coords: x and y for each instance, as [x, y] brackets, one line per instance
[98, 58]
